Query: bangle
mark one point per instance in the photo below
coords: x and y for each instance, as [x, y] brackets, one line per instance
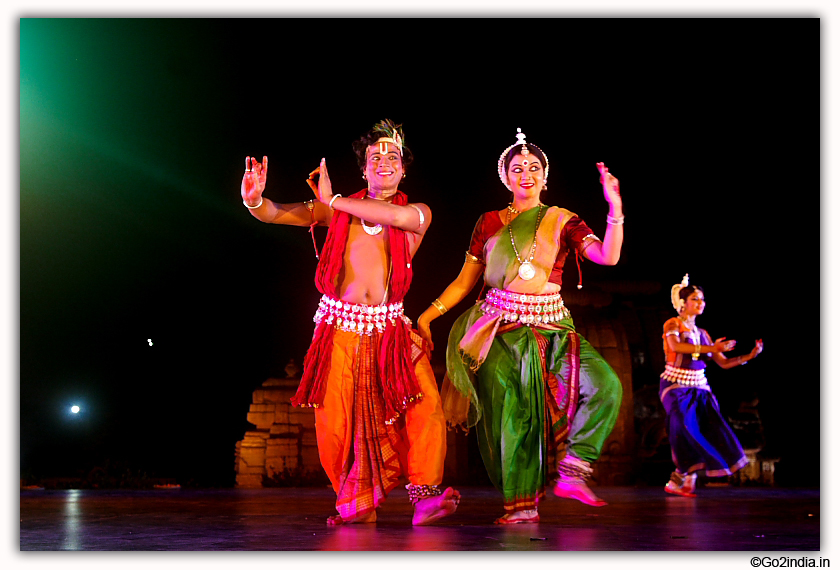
[333, 200]
[615, 221]
[252, 207]
[439, 306]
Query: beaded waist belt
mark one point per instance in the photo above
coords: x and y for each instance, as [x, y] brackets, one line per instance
[684, 376]
[526, 309]
[357, 317]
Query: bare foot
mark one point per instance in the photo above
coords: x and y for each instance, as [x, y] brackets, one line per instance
[428, 510]
[519, 517]
[578, 491]
[336, 520]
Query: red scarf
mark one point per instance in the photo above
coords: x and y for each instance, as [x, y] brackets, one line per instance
[395, 372]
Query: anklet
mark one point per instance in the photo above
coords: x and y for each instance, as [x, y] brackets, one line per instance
[418, 492]
[571, 468]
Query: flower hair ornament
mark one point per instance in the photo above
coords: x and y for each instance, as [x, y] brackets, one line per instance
[391, 133]
[675, 294]
[520, 141]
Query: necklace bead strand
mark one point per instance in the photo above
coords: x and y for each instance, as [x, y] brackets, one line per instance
[526, 269]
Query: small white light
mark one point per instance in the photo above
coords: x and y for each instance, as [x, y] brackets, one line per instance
[75, 409]
[149, 341]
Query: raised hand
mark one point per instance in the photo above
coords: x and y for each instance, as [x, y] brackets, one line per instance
[253, 180]
[759, 346]
[323, 189]
[610, 183]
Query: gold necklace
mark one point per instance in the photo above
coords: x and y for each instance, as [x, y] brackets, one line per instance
[381, 195]
[526, 268]
[695, 340]
[690, 325]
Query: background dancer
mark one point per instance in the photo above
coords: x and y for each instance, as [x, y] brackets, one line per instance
[377, 409]
[699, 436]
[516, 368]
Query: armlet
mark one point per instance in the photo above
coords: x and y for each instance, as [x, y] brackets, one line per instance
[587, 241]
[473, 259]
[422, 217]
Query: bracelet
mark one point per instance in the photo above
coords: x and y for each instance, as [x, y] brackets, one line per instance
[439, 306]
[333, 200]
[615, 221]
[253, 207]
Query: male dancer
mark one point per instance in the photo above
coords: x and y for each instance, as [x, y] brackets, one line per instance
[378, 413]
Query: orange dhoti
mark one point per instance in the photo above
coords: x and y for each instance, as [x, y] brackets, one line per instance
[363, 455]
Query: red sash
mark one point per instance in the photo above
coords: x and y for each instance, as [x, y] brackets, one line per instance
[395, 372]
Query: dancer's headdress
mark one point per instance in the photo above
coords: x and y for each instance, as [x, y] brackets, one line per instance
[520, 141]
[391, 133]
[675, 294]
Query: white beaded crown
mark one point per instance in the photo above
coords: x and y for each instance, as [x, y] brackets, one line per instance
[675, 293]
[520, 141]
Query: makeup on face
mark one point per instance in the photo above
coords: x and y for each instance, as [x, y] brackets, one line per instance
[525, 172]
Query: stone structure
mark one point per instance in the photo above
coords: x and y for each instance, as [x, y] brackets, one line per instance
[621, 320]
[747, 426]
[601, 326]
[283, 440]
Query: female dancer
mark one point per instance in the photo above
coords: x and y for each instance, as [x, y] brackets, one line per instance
[700, 438]
[516, 368]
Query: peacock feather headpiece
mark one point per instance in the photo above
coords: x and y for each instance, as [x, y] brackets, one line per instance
[391, 133]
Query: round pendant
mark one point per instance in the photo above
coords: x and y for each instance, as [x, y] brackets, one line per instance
[371, 231]
[526, 271]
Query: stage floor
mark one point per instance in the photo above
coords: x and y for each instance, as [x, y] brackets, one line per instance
[636, 519]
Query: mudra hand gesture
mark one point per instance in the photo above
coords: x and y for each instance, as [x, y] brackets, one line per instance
[323, 189]
[723, 345]
[610, 183]
[253, 181]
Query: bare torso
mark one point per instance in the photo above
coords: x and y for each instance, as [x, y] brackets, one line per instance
[364, 275]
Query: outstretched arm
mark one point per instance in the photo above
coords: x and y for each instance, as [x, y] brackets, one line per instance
[724, 362]
[470, 273]
[414, 218]
[608, 252]
[265, 210]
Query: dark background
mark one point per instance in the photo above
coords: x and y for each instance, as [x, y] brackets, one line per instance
[133, 134]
